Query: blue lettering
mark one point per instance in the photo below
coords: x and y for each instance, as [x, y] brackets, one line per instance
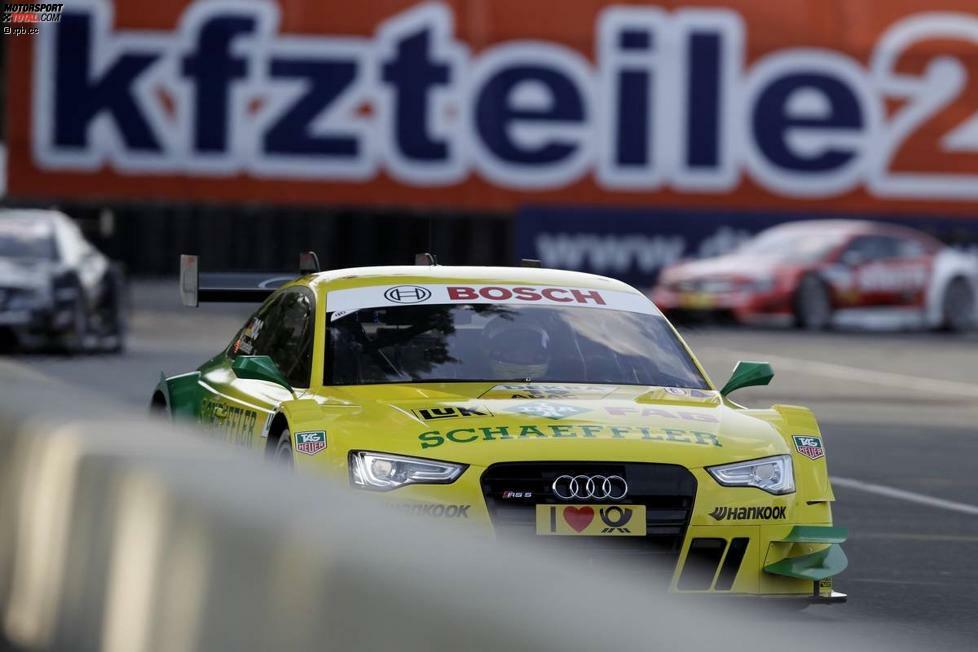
[326, 81]
[413, 73]
[212, 69]
[496, 114]
[79, 99]
[771, 121]
[703, 100]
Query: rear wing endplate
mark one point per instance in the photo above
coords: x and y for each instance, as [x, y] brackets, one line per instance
[227, 287]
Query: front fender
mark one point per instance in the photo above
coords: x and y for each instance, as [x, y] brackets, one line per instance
[181, 395]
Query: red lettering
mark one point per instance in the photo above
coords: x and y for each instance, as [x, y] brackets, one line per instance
[495, 294]
[462, 294]
[526, 294]
[548, 293]
[582, 297]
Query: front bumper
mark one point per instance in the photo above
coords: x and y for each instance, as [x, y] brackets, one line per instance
[687, 550]
[741, 306]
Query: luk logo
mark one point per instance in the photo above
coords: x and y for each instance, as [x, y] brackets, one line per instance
[451, 412]
[810, 447]
[407, 294]
[310, 443]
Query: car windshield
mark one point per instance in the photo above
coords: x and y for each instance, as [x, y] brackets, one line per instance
[801, 245]
[26, 242]
[479, 342]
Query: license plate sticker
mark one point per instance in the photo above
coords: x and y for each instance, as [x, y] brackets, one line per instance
[697, 300]
[591, 520]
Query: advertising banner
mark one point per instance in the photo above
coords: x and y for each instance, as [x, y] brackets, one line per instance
[634, 245]
[843, 105]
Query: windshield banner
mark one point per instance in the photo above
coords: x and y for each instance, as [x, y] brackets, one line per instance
[343, 302]
[851, 105]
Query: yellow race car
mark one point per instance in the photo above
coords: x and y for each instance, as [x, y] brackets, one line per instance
[524, 402]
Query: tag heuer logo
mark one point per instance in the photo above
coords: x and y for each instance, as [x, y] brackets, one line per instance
[547, 410]
[310, 443]
[810, 447]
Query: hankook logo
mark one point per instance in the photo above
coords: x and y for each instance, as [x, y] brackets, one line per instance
[748, 513]
[407, 294]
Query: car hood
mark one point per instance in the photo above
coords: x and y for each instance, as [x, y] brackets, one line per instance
[729, 265]
[17, 273]
[481, 424]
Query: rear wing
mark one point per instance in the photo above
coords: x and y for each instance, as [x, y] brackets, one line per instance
[235, 287]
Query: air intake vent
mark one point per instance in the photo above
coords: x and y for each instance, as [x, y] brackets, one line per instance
[731, 565]
[701, 564]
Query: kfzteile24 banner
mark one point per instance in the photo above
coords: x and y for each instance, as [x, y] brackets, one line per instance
[846, 105]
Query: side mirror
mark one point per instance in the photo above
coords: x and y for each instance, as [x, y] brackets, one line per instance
[259, 367]
[748, 374]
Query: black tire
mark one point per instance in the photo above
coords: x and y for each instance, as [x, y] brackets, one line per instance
[958, 306]
[281, 453]
[813, 304]
[74, 340]
[113, 312]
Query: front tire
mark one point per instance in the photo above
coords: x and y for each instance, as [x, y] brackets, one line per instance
[958, 306]
[74, 341]
[282, 453]
[813, 304]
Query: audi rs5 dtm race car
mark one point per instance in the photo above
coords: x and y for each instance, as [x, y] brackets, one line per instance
[554, 405]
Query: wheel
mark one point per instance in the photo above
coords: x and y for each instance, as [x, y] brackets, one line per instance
[958, 306]
[74, 339]
[813, 305]
[112, 312]
[282, 453]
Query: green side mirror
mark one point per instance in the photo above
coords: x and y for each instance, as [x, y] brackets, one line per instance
[259, 367]
[747, 374]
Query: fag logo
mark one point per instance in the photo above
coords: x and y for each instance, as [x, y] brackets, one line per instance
[547, 410]
[810, 447]
[310, 443]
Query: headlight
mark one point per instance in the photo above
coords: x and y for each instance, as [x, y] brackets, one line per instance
[774, 475]
[383, 471]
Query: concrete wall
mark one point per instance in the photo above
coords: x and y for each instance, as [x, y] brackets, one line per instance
[125, 535]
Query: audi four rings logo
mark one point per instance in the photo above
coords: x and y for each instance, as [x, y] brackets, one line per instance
[584, 487]
[407, 294]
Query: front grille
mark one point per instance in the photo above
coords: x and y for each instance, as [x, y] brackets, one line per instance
[666, 490]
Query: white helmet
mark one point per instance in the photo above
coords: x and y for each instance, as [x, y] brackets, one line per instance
[517, 349]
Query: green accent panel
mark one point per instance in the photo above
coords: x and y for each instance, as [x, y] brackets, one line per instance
[183, 394]
[816, 566]
[816, 534]
[259, 367]
[748, 374]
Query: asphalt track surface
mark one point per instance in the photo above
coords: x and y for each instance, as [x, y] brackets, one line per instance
[898, 412]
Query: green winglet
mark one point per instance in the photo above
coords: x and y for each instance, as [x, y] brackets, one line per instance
[816, 534]
[816, 566]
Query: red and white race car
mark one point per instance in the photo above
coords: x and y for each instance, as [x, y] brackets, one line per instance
[824, 273]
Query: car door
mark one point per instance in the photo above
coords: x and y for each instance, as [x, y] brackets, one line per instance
[888, 270]
[239, 409]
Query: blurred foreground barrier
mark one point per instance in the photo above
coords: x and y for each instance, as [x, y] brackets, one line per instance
[125, 535]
